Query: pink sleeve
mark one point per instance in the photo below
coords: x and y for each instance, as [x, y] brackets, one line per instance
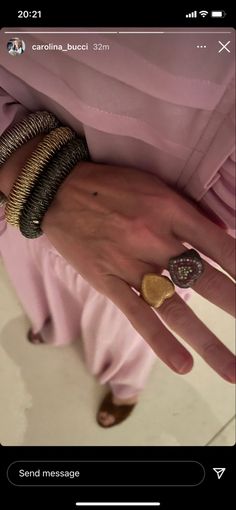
[10, 110]
[220, 198]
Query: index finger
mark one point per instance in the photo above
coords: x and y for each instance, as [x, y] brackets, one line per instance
[149, 326]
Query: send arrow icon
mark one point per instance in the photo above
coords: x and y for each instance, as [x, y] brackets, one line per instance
[219, 472]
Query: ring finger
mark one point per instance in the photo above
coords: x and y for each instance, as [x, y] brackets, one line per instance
[213, 284]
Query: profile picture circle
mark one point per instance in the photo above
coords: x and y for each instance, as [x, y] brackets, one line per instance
[15, 46]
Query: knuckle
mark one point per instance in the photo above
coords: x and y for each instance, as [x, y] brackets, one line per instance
[137, 230]
[128, 227]
[133, 312]
[139, 225]
[152, 339]
[210, 349]
[210, 282]
[117, 219]
[177, 210]
[174, 314]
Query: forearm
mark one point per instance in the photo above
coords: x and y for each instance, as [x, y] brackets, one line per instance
[13, 166]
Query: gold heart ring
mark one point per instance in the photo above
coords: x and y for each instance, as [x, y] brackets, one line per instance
[155, 289]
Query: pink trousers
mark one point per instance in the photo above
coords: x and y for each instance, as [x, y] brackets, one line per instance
[63, 307]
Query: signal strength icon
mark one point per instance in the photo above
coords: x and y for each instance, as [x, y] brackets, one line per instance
[192, 14]
[203, 13]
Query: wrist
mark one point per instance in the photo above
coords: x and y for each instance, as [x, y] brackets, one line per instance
[13, 166]
[65, 194]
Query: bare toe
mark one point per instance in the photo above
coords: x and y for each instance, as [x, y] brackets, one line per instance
[110, 414]
[106, 419]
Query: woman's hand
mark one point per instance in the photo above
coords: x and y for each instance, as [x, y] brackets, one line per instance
[115, 224]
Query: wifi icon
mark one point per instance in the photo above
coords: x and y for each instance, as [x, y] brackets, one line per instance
[203, 13]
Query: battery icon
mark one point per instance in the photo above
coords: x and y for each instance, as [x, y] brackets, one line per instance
[218, 14]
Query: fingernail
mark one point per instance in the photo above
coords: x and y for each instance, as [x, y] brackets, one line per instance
[229, 372]
[181, 363]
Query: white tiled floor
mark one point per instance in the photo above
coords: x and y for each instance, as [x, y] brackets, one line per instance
[226, 436]
[48, 398]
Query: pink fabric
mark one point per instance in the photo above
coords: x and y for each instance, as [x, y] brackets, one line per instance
[49, 288]
[153, 102]
[159, 107]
